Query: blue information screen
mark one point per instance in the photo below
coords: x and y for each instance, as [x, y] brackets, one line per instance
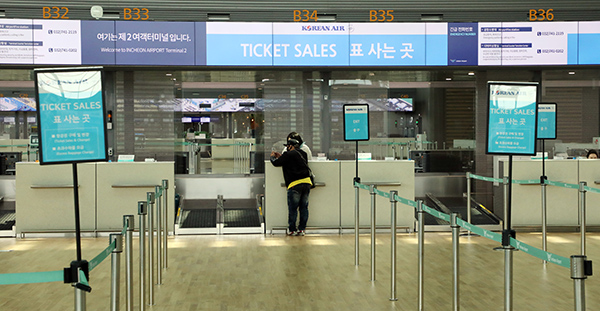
[546, 128]
[71, 116]
[356, 122]
[512, 118]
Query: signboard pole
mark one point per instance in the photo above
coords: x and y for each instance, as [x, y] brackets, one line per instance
[356, 158]
[356, 211]
[77, 217]
[543, 179]
[546, 129]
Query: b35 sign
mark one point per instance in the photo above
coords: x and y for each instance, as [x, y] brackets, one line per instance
[512, 118]
[71, 116]
[356, 122]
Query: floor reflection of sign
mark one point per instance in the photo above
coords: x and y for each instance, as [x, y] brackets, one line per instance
[356, 122]
[71, 116]
[546, 128]
[512, 118]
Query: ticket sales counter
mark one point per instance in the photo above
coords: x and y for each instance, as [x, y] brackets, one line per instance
[562, 203]
[331, 203]
[107, 191]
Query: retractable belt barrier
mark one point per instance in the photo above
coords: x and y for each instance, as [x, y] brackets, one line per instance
[579, 266]
[533, 251]
[53, 276]
[114, 248]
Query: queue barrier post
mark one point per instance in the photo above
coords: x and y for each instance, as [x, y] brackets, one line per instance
[582, 217]
[150, 199]
[165, 185]
[80, 302]
[393, 202]
[356, 221]
[544, 216]
[469, 198]
[580, 269]
[421, 253]
[159, 257]
[142, 211]
[128, 222]
[455, 263]
[115, 269]
[373, 227]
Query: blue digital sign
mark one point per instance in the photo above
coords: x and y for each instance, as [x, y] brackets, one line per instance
[512, 118]
[89, 42]
[71, 116]
[248, 44]
[356, 122]
[462, 44]
[299, 44]
[152, 43]
[387, 45]
[98, 41]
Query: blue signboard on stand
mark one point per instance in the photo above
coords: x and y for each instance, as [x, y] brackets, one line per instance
[512, 118]
[71, 116]
[356, 122]
[546, 128]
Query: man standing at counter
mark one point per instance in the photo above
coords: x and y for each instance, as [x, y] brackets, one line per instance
[297, 180]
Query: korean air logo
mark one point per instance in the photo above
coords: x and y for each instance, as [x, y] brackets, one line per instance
[508, 93]
[313, 28]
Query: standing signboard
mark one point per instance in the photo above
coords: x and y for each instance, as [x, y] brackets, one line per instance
[356, 122]
[356, 128]
[546, 128]
[71, 116]
[512, 118]
[511, 129]
[71, 121]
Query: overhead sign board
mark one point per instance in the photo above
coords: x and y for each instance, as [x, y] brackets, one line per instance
[356, 122]
[152, 43]
[512, 118]
[71, 116]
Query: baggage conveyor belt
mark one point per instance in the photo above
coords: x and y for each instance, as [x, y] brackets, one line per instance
[480, 216]
[220, 216]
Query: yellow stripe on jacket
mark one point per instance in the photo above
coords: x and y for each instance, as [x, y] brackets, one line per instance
[300, 181]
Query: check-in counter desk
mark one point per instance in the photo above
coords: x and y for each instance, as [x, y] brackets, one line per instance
[107, 191]
[331, 203]
[562, 204]
[44, 197]
[589, 171]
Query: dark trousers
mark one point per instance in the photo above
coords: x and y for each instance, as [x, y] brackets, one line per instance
[297, 198]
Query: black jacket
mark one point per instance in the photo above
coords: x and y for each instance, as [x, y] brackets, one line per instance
[294, 165]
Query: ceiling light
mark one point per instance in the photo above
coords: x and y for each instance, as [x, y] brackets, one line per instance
[324, 17]
[471, 73]
[432, 17]
[448, 79]
[219, 16]
[571, 72]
